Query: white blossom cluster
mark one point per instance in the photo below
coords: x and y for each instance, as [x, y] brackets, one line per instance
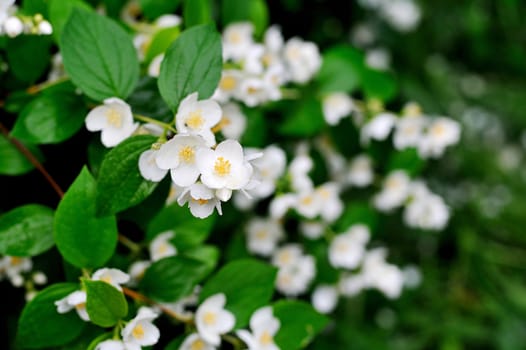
[401, 15]
[13, 25]
[255, 72]
[19, 271]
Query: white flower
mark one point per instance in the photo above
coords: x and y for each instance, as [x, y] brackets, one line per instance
[263, 236]
[179, 155]
[198, 117]
[408, 131]
[325, 298]
[137, 270]
[57, 70]
[201, 200]
[402, 15]
[253, 60]
[45, 28]
[331, 206]
[336, 106]
[379, 274]
[13, 26]
[299, 169]
[273, 39]
[114, 118]
[396, 187]
[148, 166]
[264, 327]
[233, 122]
[347, 249]
[161, 247]
[237, 40]
[312, 229]
[167, 21]
[412, 276]
[115, 277]
[14, 265]
[229, 85]
[303, 59]
[427, 211]
[140, 330]
[360, 172]
[212, 320]
[267, 169]
[281, 204]
[308, 204]
[442, 132]
[195, 342]
[351, 285]
[377, 128]
[154, 69]
[225, 167]
[253, 91]
[75, 300]
[296, 271]
[378, 58]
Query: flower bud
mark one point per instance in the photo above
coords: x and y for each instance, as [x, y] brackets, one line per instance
[45, 28]
[13, 26]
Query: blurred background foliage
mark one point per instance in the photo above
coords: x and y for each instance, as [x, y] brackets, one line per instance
[467, 60]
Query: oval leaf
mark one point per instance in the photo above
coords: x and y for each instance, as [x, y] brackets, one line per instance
[12, 162]
[193, 63]
[99, 56]
[172, 278]
[83, 239]
[248, 285]
[120, 184]
[58, 116]
[105, 304]
[41, 326]
[299, 324]
[26, 230]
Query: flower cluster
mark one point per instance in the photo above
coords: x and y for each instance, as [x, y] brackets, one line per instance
[19, 271]
[257, 71]
[13, 24]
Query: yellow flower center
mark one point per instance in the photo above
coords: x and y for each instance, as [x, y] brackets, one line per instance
[16, 260]
[438, 130]
[306, 200]
[187, 154]
[80, 306]
[195, 119]
[210, 318]
[266, 339]
[106, 278]
[234, 38]
[138, 332]
[114, 118]
[252, 90]
[228, 83]
[262, 234]
[163, 248]
[392, 183]
[285, 257]
[197, 345]
[222, 166]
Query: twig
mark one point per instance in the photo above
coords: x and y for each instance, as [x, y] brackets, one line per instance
[32, 159]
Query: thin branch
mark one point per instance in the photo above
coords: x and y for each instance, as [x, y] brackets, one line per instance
[32, 159]
[141, 297]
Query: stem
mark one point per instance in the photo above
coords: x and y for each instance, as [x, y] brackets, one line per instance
[141, 297]
[32, 159]
[39, 87]
[128, 243]
[236, 343]
[154, 121]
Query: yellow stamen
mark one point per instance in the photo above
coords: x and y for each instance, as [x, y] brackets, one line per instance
[16, 260]
[138, 332]
[195, 119]
[262, 234]
[306, 200]
[106, 279]
[187, 154]
[438, 130]
[222, 166]
[228, 83]
[80, 306]
[197, 345]
[266, 339]
[210, 318]
[114, 118]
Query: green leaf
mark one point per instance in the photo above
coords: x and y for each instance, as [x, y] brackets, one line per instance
[40, 325]
[207, 254]
[83, 239]
[172, 278]
[247, 284]
[378, 84]
[357, 212]
[341, 69]
[256, 131]
[161, 41]
[299, 324]
[26, 230]
[192, 64]
[255, 11]
[12, 162]
[105, 304]
[305, 121]
[120, 184]
[28, 56]
[147, 100]
[189, 230]
[155, 8]
[32, 7]
[99, 56]
[197, 12]
[51, 118]
[59, 12]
